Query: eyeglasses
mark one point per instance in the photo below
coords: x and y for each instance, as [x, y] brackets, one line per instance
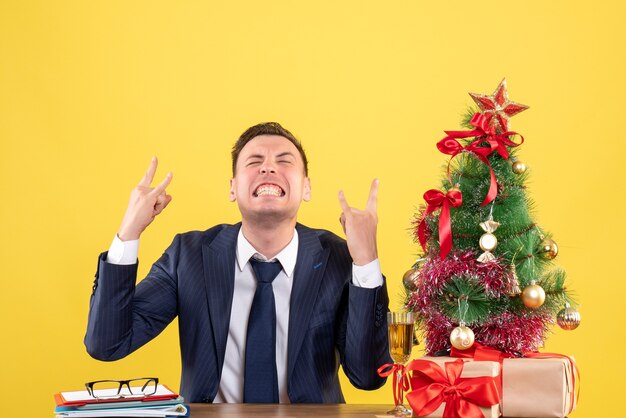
[114, 389]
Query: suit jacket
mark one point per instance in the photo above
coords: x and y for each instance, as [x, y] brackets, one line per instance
[331, 321]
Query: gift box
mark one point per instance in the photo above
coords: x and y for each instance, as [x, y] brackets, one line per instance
[538, 387]
[452, 387]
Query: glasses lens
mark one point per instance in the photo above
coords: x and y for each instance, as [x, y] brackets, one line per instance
[106, 389]
[144, 387]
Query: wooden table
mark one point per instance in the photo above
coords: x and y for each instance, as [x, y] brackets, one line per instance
[204, 410]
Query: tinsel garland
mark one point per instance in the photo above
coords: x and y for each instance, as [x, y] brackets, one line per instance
[506, 331]
[509, 333]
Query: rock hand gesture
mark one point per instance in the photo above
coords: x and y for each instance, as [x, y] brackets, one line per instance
[145, 204]
[360, 227]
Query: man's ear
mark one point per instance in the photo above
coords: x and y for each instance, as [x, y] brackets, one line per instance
[306, 196]
[231, 195]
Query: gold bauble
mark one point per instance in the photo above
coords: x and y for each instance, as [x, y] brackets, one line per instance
[488, 242]
[549, 249]
[518, 167]
[410, 279]
[568, 318]
[533, 296]
[462, 337]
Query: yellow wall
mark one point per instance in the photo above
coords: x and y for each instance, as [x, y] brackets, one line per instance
[89, 91]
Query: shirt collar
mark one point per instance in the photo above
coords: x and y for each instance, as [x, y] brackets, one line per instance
[287, 256]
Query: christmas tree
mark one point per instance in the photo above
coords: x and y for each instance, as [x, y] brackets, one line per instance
[488, 272]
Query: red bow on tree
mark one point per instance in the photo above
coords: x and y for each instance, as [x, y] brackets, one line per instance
[497, 142]
[436, 199]
[431, 385]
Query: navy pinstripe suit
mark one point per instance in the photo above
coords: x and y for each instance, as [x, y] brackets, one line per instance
[331, 321]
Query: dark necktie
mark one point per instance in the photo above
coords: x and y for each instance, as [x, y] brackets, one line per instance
[260, 378]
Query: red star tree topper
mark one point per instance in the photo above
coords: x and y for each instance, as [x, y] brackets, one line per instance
[497, 107]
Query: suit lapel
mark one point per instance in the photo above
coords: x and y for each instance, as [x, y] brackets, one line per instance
[219, 276]
[307, 277]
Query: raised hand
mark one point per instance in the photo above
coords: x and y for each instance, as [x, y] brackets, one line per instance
[145, 204]
[360, 227]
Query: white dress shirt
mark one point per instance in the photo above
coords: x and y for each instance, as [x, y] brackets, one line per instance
[231, 384]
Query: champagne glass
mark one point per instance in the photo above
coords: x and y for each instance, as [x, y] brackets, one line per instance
[401, 327]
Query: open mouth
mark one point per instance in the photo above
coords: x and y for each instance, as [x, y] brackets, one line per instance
[267, 189]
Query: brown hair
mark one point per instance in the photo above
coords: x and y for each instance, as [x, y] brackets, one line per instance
[267, 128]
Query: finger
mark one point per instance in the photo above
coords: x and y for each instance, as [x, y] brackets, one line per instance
[372, 200]
[160, 200]
[342, 221]
[161, 187]
[343, 202]
[149, 176]
[159, 207]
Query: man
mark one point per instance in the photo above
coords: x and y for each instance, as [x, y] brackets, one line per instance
[244, 338]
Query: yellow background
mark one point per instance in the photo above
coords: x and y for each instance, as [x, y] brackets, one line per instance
[89, 91]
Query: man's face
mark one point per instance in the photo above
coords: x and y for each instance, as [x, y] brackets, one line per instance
[269, 181]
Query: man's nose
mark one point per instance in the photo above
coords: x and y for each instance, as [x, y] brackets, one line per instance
[267, 167]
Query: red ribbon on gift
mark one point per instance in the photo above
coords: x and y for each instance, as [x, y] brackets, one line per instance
[436, 199]
[399, 385]
[497, 142]
[431, 385]
[480, 352]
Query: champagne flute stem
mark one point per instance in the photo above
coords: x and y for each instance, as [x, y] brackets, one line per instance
[400, 391]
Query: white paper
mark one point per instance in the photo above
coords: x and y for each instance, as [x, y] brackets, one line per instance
[83, 395]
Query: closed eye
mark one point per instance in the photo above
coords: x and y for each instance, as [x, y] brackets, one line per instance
[285, 158]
